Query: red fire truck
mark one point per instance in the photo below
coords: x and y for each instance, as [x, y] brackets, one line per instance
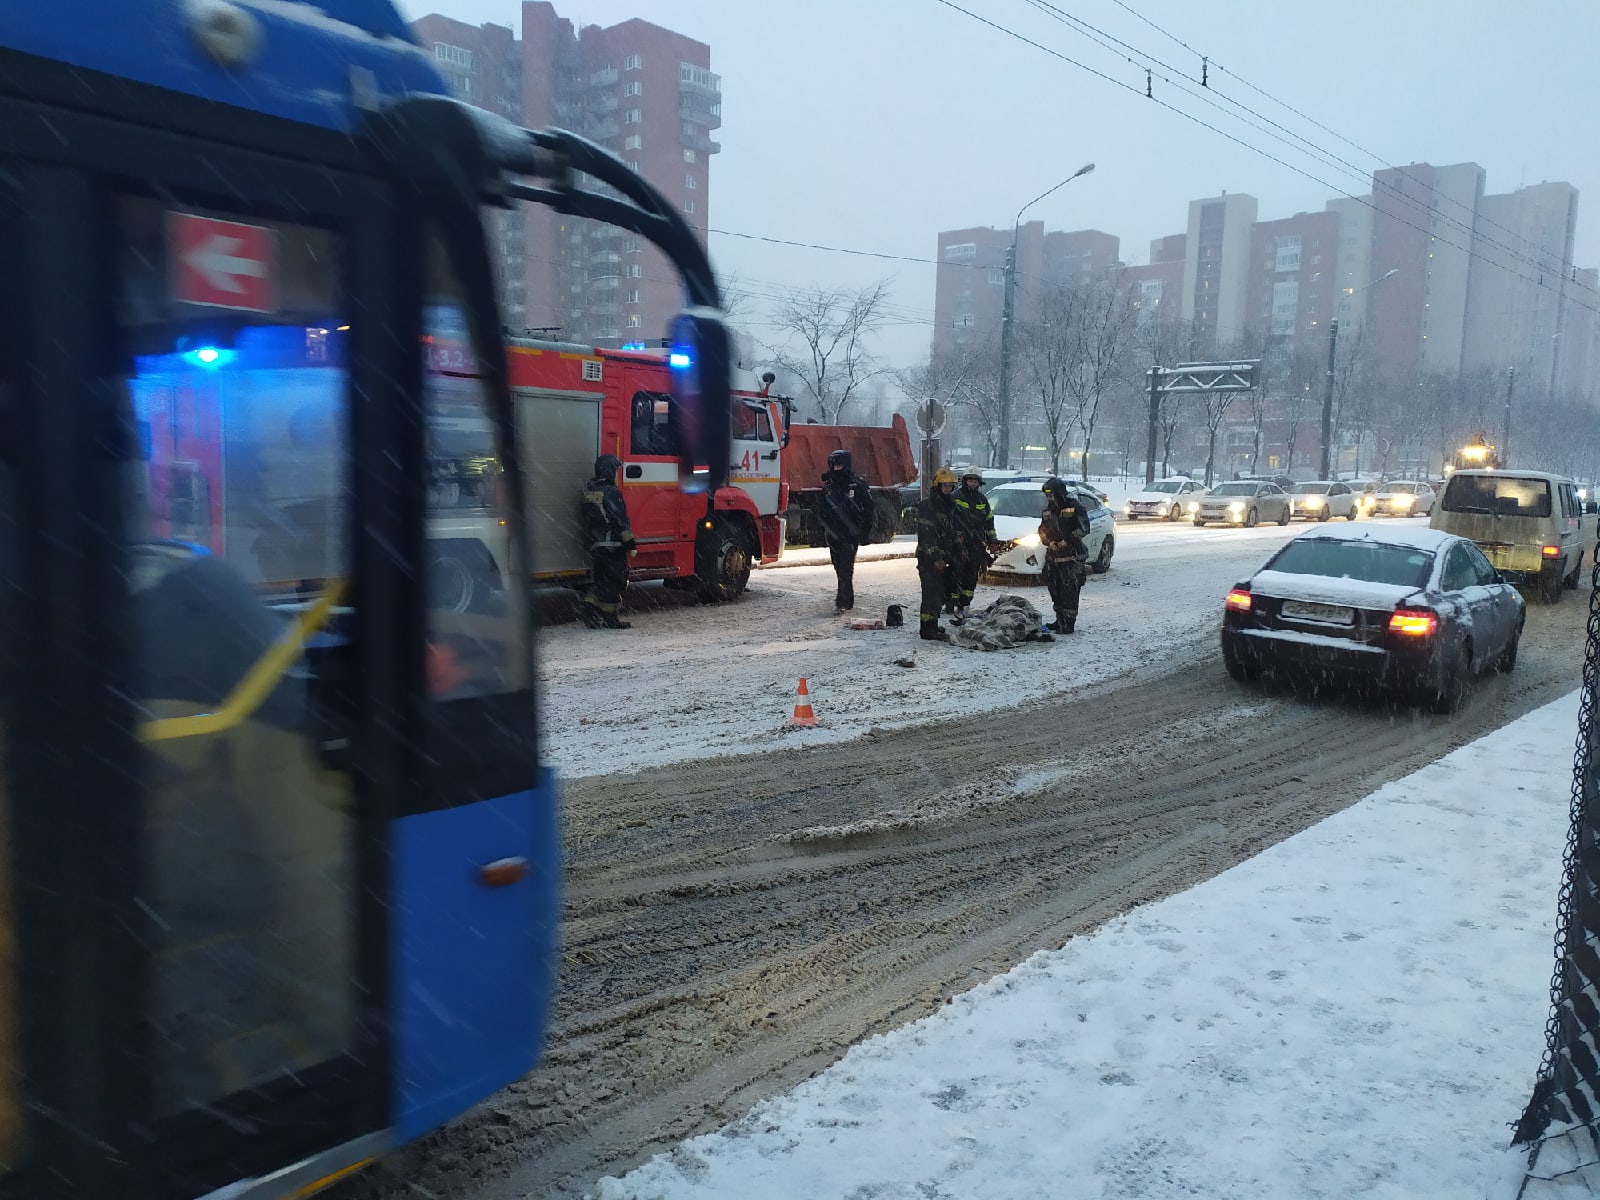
[236, 436]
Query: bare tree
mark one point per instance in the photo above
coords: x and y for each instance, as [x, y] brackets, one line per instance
[1104, 323]
[1050, 348]
[826, 346]
[1216, 407]
[967, 380]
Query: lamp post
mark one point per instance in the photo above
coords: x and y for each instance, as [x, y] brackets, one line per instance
[1505, 438]
[1006, 315]
[1327, 394]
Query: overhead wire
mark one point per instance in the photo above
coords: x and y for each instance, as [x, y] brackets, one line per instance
[1290, 137]
[1267, 154]
[1312, 120]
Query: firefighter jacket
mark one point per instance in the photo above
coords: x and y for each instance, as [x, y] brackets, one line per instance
[605, 516]
[1063, 530]
[846, 508]
[974, 521]
[938, 534]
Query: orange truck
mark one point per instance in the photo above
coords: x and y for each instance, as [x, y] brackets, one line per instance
[879, 454]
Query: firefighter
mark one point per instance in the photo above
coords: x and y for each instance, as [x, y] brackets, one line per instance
[975, 527]
[846, 513]
[611, 545]
[937, 536]
[1062, 529]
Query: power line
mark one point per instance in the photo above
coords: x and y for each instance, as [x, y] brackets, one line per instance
[1318, 124]
[1248, 146]
[1298, 141]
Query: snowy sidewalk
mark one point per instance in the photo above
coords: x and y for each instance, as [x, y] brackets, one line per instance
[903, 546]
[1356, 1011]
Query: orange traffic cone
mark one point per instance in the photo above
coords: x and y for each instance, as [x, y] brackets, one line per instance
[802, 707]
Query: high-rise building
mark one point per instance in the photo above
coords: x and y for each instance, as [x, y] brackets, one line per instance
[1293, 280]
[1524, 284]
[1417, 317]
[641, 91]
[1216, 270]
[1156, 287]
[969, 284]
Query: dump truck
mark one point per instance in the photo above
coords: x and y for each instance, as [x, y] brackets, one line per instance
[879, 454]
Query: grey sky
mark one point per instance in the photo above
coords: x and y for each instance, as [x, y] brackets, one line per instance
[873, 124]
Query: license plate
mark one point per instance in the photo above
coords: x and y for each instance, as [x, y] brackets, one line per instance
[1328, 614]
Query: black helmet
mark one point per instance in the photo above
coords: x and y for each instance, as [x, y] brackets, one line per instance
[607, 466]
[1056, 489]
[838, 460]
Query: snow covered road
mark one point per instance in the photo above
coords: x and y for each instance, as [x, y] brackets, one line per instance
[689, 680]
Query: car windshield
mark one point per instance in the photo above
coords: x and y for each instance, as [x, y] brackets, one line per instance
[1234, 489]
[1311, 489]
[1502, 495]
[1401, 489]
[1017, 502]
[1373, 562]
[1166, 486]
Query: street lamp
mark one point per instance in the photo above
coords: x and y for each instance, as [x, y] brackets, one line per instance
[1005, 317]
[1327, 395]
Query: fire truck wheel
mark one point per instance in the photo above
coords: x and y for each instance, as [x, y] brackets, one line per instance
[723, 558]
[461, 577]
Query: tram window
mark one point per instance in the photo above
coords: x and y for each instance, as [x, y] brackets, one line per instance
[244, 496]
[477, 596]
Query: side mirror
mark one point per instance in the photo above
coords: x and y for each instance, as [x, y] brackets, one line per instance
[702, 399]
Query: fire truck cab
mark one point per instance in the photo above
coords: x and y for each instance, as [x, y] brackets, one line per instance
[574, 403]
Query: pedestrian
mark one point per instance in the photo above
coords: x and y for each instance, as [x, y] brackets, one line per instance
[611, 545]
[846, 513]
[937, 536]
[1063, 526]
[975, 529]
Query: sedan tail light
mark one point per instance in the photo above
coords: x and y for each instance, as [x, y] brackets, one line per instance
[1414, 622]
[1239, 600]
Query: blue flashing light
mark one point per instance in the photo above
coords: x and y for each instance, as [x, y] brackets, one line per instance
[208, 356]
[679, 359]
[633, 345]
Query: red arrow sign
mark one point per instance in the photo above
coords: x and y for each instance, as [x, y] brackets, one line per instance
[221, 263]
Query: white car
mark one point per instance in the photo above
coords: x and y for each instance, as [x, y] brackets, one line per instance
[1017, 508]
[1322, 500]
[1163, 499]
[1399, 498]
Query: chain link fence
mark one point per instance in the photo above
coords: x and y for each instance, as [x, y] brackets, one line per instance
[1561, 1124]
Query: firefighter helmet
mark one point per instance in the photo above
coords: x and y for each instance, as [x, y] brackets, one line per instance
[1055, 488]
[944, 475]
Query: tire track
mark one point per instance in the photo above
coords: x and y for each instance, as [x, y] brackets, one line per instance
[733, 925]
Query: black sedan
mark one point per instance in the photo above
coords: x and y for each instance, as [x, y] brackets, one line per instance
[1413, 611]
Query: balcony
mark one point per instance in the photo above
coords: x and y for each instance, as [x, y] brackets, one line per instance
[604, 258]
[699, 111]
[697, 79]
[605, 77]
[604, 283]
[604, 308]
[605, 128]
[603, 103]
[699, 141]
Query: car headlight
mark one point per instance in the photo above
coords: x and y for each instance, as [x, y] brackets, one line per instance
[1030, 540]
[1236, 507]
[1193, 506]
[1403, 501]
[1313, 502]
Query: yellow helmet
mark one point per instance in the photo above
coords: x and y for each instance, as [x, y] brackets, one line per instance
[944, 475]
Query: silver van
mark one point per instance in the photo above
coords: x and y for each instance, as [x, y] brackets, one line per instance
[1527, 523]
